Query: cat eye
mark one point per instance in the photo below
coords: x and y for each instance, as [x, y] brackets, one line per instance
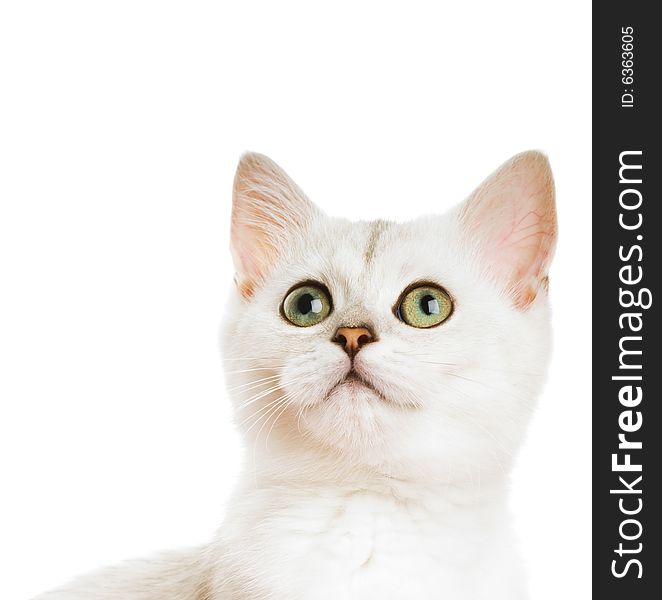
[307, 305]
[424, 306]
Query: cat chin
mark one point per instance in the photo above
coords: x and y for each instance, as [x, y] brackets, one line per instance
[350, 417]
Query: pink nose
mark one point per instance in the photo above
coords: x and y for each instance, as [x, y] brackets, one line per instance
[353, 338]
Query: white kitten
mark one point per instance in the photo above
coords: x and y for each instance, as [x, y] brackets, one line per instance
[383, 375]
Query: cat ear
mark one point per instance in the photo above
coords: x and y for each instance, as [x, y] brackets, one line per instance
[268, 212]
[511, 217]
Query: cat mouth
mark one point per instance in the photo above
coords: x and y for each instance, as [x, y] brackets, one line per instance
[354, 379]
[354, 376]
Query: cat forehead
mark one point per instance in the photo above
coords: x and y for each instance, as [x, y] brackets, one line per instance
[379, 251]
[375, 238]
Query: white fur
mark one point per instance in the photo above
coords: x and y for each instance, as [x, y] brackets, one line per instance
[350, 493]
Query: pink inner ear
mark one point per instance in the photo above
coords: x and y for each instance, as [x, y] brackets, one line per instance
[526, 243]
[528, 248]
[252, 255]
[269, 213]
[513, 216]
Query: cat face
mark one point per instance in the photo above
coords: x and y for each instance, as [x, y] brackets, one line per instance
[400, 346]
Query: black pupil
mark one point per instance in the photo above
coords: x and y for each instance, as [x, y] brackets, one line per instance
[305, 303]
[429, 305]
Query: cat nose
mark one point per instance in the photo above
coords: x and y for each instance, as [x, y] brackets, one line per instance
[353, 338]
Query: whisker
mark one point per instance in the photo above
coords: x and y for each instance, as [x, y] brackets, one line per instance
[244, 358]
[252, 384]
[273, 408]
[459, 365]
[263, 393]
[250, 370]
[488, 387]
[259, 396]
[285, 407]
[261, 410]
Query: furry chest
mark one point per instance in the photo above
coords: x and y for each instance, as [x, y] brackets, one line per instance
[362, 548]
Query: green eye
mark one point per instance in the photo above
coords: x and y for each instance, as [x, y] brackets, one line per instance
[424, 306]
[307, 305]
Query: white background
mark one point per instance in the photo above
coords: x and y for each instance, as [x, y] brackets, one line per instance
[120, 127]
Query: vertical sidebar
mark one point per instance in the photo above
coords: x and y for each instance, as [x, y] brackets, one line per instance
[627, 255]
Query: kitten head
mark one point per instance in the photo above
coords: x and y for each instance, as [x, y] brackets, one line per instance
[408, 348]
